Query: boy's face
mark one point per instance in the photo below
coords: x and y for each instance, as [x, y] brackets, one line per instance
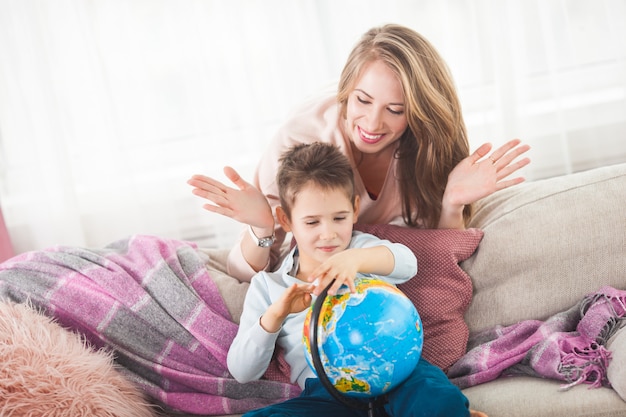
[321, 223]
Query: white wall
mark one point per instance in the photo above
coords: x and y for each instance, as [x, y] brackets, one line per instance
[108, 106]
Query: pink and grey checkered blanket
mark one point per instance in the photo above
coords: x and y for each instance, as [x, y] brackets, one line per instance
[569, 346]
[152, 300]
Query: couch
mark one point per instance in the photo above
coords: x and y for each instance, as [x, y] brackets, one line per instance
[530, 252]
[546, 244]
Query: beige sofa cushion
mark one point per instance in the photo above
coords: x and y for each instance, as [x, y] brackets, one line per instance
[524, 396]
[232, 290]
[546, 244]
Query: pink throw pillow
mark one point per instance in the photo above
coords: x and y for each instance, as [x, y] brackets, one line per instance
[441, 290]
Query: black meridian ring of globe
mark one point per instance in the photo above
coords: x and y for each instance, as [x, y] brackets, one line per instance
[374, 405]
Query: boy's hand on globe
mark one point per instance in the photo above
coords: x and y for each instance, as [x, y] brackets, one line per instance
[341, 267]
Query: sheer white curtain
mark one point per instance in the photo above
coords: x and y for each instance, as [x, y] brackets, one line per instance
[108, 106]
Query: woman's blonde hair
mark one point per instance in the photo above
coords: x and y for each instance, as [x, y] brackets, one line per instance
[435, 140]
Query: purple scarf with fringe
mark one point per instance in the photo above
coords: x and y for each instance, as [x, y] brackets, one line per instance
[569, 346]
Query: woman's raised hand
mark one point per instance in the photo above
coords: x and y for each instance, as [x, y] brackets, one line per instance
[246, 203]
[479, 175]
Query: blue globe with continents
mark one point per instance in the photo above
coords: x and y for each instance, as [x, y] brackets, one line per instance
[369, 341]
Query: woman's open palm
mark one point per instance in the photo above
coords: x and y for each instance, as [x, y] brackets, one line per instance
[476, 177]
[246, 203]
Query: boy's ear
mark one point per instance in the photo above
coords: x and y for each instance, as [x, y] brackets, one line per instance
[357, 205]
[283, 219]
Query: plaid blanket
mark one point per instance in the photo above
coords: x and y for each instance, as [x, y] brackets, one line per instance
[569, 346]
[152, 300]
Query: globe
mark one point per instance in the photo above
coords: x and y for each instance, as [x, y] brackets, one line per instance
[368, 341]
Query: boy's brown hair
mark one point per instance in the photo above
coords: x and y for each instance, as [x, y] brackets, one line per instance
[320, 164]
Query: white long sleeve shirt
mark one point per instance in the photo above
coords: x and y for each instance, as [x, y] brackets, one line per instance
[252, 349]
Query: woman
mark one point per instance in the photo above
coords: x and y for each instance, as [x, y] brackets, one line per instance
[397, 117]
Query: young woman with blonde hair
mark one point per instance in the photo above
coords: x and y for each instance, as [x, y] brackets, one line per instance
[397, 117]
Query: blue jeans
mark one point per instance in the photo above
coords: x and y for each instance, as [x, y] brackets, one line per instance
[426, 393]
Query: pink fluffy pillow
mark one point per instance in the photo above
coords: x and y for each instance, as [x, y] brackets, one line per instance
[46, 370]
[441, 290]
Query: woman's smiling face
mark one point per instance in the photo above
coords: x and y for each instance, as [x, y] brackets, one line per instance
[375, 113]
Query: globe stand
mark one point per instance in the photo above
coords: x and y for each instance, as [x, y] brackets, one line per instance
[374, 406]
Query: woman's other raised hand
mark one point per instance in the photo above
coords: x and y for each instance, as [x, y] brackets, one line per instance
[480, 175]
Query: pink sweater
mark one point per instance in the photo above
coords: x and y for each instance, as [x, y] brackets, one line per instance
[315, 121]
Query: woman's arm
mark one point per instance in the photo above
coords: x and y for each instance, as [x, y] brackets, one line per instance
[476, 177]
[247, 205]
[315, 120]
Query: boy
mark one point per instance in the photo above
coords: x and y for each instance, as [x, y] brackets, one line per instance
[319, 207]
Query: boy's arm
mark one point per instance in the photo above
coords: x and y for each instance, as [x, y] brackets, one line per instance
[405, 262]
[404, 265]
[394, 262]
[259, 328]
[294, 299]
[251, 351]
